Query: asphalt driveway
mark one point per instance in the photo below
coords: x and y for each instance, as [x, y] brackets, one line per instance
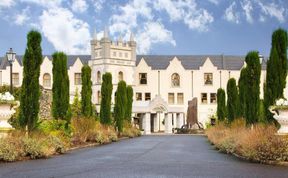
[147, 156]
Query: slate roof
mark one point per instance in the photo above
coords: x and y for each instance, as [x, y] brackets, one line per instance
[161, 62]
[193, 62]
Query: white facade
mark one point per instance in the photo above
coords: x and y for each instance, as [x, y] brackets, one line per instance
[162, 85]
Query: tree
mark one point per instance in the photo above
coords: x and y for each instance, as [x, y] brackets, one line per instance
[120, 105]
[252, 98]
[232, 100]
[128, 112]
[86, 92]
[30, 91]
[276, 71]
[76, 105]
[242, 85]
[106, 92]
[60, 88]
[221, 104]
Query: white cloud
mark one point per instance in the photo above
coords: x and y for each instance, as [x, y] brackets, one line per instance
[231, 15]
[6, 3]
[216, 2]
[23, 17]
[64, 31]
[45, 3]
[153, 33]
[79, 6]
[273, 10]
[247, 7]
[98, 4]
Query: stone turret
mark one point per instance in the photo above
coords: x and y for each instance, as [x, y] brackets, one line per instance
[132, 44]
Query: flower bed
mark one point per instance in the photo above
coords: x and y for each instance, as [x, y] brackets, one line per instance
[260, 144]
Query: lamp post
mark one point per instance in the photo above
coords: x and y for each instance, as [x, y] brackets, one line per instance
[11, 57]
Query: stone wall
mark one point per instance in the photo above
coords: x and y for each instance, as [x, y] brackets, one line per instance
[45, 104]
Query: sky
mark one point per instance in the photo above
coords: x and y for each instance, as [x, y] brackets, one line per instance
[160, 27]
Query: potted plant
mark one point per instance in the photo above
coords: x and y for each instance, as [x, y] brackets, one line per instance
[280, 111]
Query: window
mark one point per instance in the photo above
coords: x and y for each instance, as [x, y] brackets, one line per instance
[15, 78]
[147, 96]
[143, 78]
[213, 97]
[171, 98]
[120, 76]
[98, 77]
[208, 78]
[180, 98]
[46, 80]
[204, 98]
[175, 80]
[138, 96]
[77, 78]
[99, 97]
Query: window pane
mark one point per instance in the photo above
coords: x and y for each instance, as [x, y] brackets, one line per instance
[213, 98]
[46, 80]
[208, 78]
[175, 80]
[147, 96]
[171, 98]
[98, 77]
[138, 96]
[204, 98]
[15, 78]
[180, 98]
[77, 78]
[143, 78]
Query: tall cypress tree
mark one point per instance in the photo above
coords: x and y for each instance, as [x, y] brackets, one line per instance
[252, 98]
[60, 88]
[242, 84]
[221, 104]
[276, 71]
[120, 105]
[86, 92]
[106, 92]
[30, 92]
[232, 100]
[128, 111]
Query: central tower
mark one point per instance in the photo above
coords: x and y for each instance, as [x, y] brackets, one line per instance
[117, 57]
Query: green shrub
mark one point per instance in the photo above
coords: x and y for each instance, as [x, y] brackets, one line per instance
[9, 151]
[56, 143]
[33, 148]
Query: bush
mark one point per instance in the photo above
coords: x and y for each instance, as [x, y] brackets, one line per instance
[130, 131]
[9, 151]
[33, 148]
[83, 128]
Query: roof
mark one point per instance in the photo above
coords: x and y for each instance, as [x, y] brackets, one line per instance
[161, 62]
[193, 62]
[70, 60]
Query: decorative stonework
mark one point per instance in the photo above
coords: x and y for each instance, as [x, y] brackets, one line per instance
[281, 116]
[45, 104]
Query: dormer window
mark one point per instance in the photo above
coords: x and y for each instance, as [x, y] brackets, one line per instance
[143, 78]
[208, 78]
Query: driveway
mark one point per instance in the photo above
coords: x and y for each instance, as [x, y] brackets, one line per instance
[147, 156]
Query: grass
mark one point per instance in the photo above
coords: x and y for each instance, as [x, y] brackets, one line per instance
[260, 143]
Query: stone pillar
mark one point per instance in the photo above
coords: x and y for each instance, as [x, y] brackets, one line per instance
[168, 123]
[181, 119]
[156, 122]
[146, 123]
[174, 120]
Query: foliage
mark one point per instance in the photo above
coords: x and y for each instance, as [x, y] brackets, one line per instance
[16, 91]
[86, 92]
[128, 112]
[120, 105]
[106, 92]
[232, 100]
[60, 88]
[76, 105]
[129, 130]
[9, 150]
[252, 101]
[276, 71]
[30, 90]
[242, 85]
[221, 104]
[259, 144]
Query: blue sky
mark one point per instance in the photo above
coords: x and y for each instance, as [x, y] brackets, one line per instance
[160, 26]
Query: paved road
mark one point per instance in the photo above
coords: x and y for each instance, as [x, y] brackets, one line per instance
[147, 156]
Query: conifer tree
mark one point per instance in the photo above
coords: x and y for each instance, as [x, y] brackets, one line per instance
[129, 103]
[60, 88]
[30, 92]
[242, 85]
[76, 105]
[86, 92]
[276, 71]
[106, 92]
[252, 98]
[120, 105]
[232, 100]
[221, 104]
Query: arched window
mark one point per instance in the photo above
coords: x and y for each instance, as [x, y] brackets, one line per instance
[175, 80]
[120, 76]
[99, 97]
[46, 80]
[98, 77]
